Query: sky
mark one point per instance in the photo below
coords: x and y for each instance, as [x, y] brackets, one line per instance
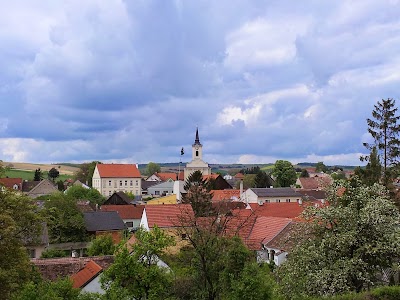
[130, 81]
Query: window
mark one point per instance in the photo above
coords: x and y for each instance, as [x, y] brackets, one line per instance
[197, 153]
[278, 200]
[267, 201]
[126, 182]
[137, 182]
[109, 193]
[109, 183]
[287, 200]
[156, 192]
[131, 183]
[129, 224]
[120, 183]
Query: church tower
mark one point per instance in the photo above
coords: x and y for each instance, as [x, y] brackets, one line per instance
[197, 163]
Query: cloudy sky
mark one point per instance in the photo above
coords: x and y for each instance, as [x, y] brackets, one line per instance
[129, 81]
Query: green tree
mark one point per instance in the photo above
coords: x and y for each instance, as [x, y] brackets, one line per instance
[53, 174]
[284, 173]
[344, 246]
[198, 194]
[384, 128]
[262, 180]
[101, 245]
[373, 171]
[152, 168]
[78, 192]
[64, 220]
[85, 172]
[136, 274]
[38, 175]
[304, 173]
[60, 289]
[320, 167]
[19, 225]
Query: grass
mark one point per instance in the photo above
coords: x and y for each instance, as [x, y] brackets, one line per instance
[29, 175]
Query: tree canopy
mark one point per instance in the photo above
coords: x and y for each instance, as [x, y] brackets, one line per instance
[346, 245]
[152, 168]
[284, 173]
[198, 194]
[85, 173]
[53, 174]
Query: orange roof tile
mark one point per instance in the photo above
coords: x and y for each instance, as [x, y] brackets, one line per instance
[166, 215]
[85, 275]
[225, 194]
[10, 182]
[264, 230]
[165, 176]
[315, 183]
[181, 176]
[118, 170]
[213, 176]
[128, 211]
[283, 209]
[239, 176]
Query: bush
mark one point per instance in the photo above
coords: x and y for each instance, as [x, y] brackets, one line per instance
[53, 253]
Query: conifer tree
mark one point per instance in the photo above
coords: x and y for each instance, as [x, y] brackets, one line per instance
[384, 128]
[198, 194]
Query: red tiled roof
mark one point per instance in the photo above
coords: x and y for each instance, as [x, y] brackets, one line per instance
[315, 183]
[239, 176]
[264, 230]
[125, 211]
[85, 275]
[225, 194]
[165, 176]
[118, 170]
[283, 209]
[10, 182]
[181, 176]
[166, 215]
[213, 176]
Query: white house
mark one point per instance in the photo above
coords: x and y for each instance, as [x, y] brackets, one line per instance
[270, 195]
[110, 178]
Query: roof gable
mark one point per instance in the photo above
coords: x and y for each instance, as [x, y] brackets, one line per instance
[103, 221]
[86, 275]
[128, 211]
[118, 171]
[118, 198]
[166, 215]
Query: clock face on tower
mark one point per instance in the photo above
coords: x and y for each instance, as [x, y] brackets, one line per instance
[196, 147]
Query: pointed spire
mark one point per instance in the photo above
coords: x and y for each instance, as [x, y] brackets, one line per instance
[197, 140]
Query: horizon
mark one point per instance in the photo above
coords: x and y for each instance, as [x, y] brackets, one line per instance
[129, 82]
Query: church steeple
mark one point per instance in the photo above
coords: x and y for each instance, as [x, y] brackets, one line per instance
[197, 139]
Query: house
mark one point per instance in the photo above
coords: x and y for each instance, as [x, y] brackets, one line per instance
[14, 184]
[118, 198]
[267, 195]
[314, 183]
[217, 181]
[37, 246]
[161, 189]
[169, 218]
[291, 210]
[130, 214]
[165, 176]
[87, 279]
[110, 178]
[263, 231]
[314, 195]
[104, 222]
[36, 189]
[170, 199]
[145, 186]
[223, 195]
[197, 163]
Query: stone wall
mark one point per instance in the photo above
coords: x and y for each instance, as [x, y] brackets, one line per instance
[53, 268]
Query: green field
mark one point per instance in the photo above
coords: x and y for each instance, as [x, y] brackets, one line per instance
[29, 175]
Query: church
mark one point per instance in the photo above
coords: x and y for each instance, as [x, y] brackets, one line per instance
[197, 163]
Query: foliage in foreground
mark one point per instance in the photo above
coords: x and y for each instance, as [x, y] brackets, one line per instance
[344, 246]
[101, 245]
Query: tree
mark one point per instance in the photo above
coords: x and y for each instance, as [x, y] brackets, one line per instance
[320, 167]
[101, 245]
[373, 170]
[85, 173]
[344, 246]
[198, 194]
[38, 175]
[304, 173]
[78, 192]
[263, 180]
[53, 174]
[285, 173]
[152, 168]
[64, 220]
[136, 274]
[384, 128]
[19, 225]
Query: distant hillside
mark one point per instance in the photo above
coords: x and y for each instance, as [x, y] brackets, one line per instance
[62, 168]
